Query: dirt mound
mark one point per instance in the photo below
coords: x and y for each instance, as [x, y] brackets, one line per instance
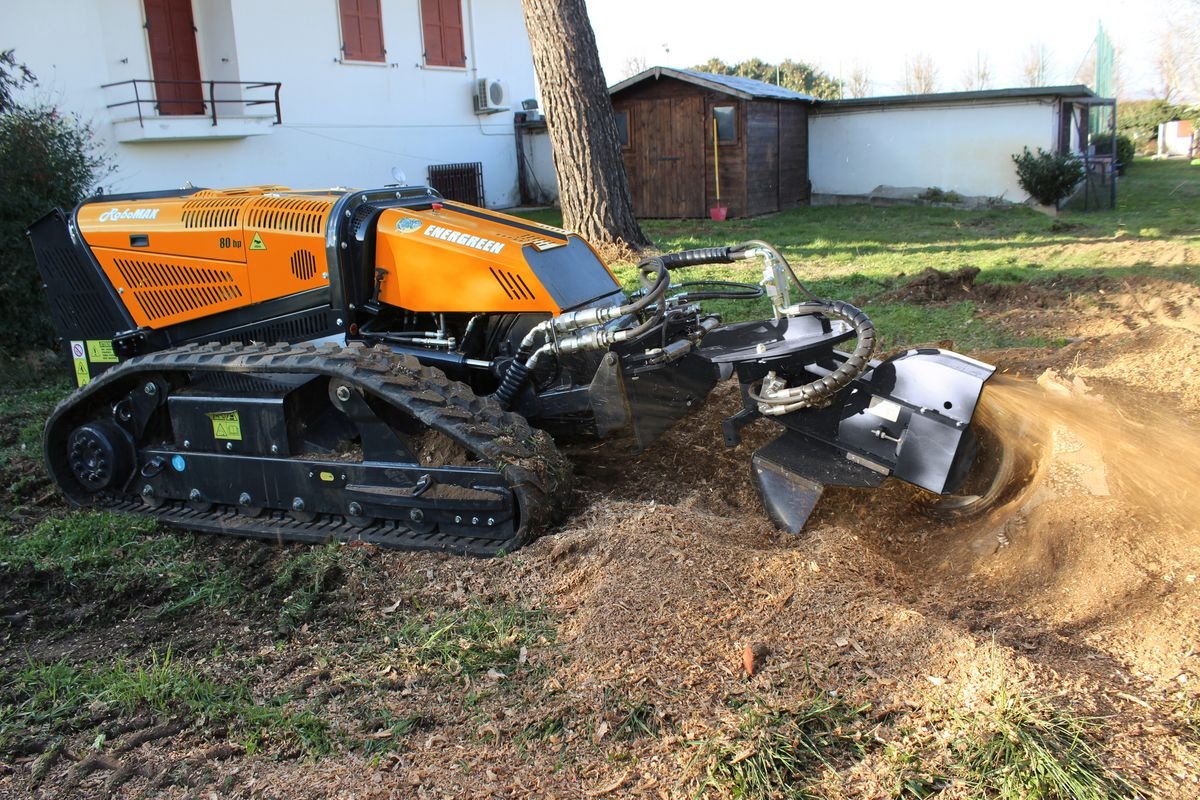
[936, 286]
[1083, 583]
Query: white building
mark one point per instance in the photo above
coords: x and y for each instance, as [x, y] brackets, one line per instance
[959, 142]
[363, 86]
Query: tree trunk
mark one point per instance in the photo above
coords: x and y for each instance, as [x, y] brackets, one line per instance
[592, 185]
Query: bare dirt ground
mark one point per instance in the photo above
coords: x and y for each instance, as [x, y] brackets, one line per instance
[669, 581]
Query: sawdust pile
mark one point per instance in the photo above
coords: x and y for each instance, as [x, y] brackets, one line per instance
[673, 596]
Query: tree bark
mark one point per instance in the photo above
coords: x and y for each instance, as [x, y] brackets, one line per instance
[592, 186]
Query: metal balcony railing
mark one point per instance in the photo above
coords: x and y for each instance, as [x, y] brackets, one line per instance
[143, 96]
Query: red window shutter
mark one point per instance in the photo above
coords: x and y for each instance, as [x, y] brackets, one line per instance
[362, 30]
[442, 27]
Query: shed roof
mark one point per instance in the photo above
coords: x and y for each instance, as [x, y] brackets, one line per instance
[745, 88]
[1077, 93]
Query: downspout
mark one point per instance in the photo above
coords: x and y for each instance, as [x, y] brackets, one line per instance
[471, 23]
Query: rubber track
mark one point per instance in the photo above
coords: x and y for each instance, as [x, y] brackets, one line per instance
[538, 474]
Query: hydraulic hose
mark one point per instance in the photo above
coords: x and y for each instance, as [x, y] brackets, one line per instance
[793, 398]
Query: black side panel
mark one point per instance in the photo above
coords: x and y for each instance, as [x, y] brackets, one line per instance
[573, 275]
[82, 302]
[294, 318]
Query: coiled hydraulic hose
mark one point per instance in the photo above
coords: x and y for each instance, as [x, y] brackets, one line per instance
[817, 392]
[654, 275]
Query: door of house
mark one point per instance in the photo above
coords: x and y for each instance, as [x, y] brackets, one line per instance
[173, 57]
[667, 151]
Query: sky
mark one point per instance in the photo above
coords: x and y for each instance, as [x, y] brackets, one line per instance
[878, 35]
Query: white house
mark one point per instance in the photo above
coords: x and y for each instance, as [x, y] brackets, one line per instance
[957, 141]
[185, 91]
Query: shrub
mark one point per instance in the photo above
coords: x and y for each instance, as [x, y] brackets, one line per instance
[1048, 177]
[47, 159]
[1125, 147]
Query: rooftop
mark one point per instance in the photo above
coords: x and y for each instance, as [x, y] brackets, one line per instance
[745, 88]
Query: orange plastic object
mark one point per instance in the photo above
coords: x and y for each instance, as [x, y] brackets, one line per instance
[446, 259]
[175, 259]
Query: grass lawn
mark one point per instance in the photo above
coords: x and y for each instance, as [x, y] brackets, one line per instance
[859, 253]
[297, 657]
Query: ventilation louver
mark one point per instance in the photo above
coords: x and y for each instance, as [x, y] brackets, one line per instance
[304, 265]
[214, 212]
[513, 285]
[167, 291]
[288, 214]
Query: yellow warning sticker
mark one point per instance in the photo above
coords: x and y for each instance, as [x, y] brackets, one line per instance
[79, 357]
[326, 476]
[226, 425]
[257, 243]
[100, 351]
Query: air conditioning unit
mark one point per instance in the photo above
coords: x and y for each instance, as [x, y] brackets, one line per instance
[489, 97]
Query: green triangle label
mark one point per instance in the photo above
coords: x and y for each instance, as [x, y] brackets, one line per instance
[257, 243]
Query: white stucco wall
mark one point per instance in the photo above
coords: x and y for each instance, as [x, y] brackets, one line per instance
[539, 160]
[962, 148]
[343, 124]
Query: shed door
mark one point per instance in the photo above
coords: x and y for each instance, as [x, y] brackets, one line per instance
[173, 57]
[667, 156]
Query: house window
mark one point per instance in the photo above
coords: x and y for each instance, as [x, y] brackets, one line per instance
[622, 120]
[362, 30]
[726, 124]
[442, 28]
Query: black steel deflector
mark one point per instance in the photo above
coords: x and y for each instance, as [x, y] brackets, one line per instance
[792, 472]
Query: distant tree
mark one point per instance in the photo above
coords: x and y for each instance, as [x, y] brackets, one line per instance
[1035, 66]
[633, 66]
[920, 74]
[593, 188]
[13, 75]
[979, 75]
[859, 82]
[1178, 63]
[795, 75]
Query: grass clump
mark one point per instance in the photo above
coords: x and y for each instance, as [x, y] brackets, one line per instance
[306, 580]
[470, 641]
[781, 752]
[1025, 748]
[47, 699]
[106, 557]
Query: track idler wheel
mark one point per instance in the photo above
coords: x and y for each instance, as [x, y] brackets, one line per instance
[100, 455]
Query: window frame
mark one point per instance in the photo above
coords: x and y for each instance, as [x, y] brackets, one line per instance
[733, 107]
[628, 143]
[361, 57]
[462, 29]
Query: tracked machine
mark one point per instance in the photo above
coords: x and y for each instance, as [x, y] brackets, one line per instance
[389, 366]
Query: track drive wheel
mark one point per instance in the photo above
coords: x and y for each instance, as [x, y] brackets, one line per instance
[100, 455]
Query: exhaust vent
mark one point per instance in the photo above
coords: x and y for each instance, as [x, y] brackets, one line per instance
[288, 214]
[217, 212]
[304, 265]
[513, 285]
[173, 290]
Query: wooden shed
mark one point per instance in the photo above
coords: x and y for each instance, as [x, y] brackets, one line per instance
[665, 118]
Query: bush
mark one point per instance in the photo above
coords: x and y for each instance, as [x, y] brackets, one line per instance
[1125, 148]
[47, 159]
[1048, 177]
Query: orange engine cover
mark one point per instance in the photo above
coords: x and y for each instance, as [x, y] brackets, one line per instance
[174, 259]
[454, 257]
